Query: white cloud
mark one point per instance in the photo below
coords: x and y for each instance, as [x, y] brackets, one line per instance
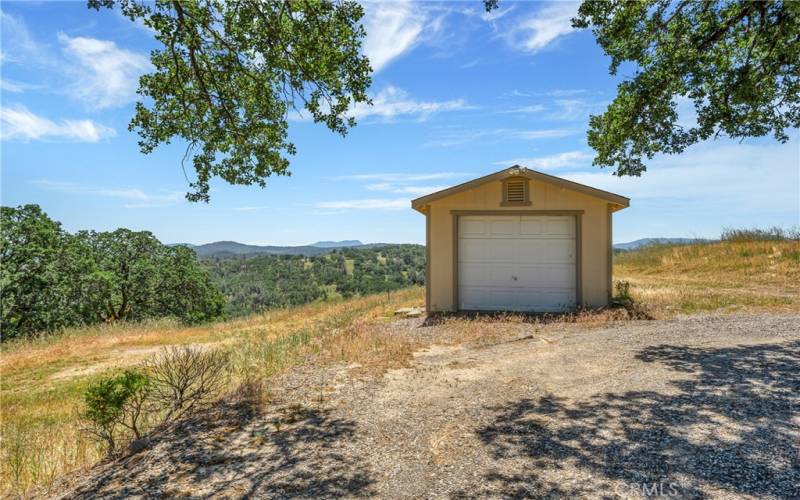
[536, 32]
[366, 204]
[736, 177]
[249, 209]
[18, 44]
[15, 87]
[526, 110]
[107, 75]
[135, 198]
[496, 14]
[576, 109]
[393, 101]
[459, 137]
[401, 177]
[18, 123]
[552, 162]
[401, 189]
[393, 28]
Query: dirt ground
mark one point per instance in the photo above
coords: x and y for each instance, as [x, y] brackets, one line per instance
[694, 407]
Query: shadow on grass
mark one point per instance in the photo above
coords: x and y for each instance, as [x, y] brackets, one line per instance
[236, 452]
[732, 425]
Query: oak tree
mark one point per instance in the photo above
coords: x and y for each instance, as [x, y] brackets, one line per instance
[228, 76]
[736, 61]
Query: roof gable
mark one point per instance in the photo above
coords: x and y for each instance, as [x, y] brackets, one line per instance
[517, 171]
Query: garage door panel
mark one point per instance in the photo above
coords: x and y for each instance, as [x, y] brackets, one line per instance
[560, 227]
[547, 226]
[518, 276]
[545, 276]
[518, 263]
[482, 299]
[504, 227]
[545, 251]
[531, 226]
[472, 227]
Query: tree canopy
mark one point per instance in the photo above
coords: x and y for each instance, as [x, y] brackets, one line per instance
[229, 74]
[50, 279]
[736, 61]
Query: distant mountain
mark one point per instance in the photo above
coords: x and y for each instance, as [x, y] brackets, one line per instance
[644, 242]
[337, 244]
[233, 248]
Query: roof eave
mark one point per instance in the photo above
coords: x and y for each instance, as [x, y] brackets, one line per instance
[418, 204]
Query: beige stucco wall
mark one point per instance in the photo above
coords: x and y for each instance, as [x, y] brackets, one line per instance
[595, 234]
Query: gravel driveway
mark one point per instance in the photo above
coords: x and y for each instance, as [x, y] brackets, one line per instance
[704, 406]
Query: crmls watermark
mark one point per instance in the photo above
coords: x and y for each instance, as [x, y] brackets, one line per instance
[654, 489]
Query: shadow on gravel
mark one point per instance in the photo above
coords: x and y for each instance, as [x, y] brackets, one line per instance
[230, 453]
[729, 426]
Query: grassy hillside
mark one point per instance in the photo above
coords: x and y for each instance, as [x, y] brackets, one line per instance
[725, 275]
[42, 382]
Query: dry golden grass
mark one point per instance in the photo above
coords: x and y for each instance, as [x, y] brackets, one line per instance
[722, 276]
[42, 381]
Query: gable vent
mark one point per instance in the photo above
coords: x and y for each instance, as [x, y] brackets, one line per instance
[515, 191]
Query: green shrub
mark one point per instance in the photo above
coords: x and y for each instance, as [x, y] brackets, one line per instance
[115, 407]
[173, 383]
[623, 289]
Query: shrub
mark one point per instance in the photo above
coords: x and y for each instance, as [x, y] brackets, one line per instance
[173, 383]
[116, 405]
[185, 379]
[623, 289]
[623, 299]
[774, 233]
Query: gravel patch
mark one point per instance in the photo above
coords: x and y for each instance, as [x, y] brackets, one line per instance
[693, 407]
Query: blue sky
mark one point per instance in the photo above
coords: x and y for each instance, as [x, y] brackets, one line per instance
[457, 94]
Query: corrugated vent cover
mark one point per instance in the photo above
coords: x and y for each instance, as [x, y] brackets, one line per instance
[515, 191]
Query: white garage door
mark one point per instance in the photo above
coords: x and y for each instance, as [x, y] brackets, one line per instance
[516, 263]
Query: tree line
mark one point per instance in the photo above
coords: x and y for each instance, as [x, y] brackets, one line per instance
[256, 283]
[51, 279]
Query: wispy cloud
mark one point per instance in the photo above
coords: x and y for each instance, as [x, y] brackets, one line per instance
[392, 102]
[526, 110]
[401, 189]
[366, 204]
[134, 198]
[576, 109]
[496, 14]
[93, 71]
[393, 28]
[19, 46]
[549, 23]
[106, 75]
[567, 159]
[459, 137]
[717, 174]
[18, 123]
[401, 177]
[402, 183]
[15, 87]
[249, 209]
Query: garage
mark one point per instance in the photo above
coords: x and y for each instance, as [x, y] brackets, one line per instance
[517, 263]
[518, 240]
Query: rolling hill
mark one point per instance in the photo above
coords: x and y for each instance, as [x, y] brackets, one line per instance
[646, 242]
[234, 248]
